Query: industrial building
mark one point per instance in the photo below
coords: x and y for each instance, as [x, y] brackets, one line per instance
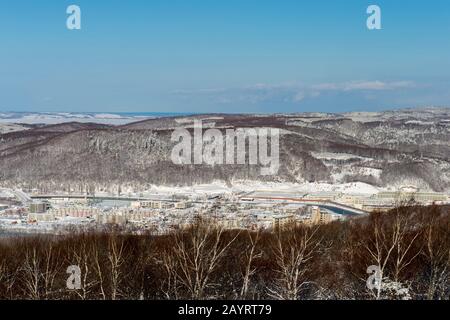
[323, 196]
[40, 217]
[384, 205]
[182, 205]
[39, 207]
[421, 197]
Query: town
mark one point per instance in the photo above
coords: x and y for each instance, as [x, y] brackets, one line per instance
[27, 211]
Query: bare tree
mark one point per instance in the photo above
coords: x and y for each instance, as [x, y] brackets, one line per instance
[199, 252]
[52, 266]
[9, 275]
[251, 253]
[169, 284]
[391, 243]
[293, 250]
[437, 256]
[83, 254]
[116, 259]
[32, 274]
[98, 266]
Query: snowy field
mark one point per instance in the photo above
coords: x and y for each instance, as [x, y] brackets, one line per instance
[64, 117]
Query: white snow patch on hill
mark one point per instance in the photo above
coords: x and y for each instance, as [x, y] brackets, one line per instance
[11, 127]
[336, 156]
[64, 117]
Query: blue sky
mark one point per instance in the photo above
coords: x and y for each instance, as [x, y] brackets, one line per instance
[223, 56]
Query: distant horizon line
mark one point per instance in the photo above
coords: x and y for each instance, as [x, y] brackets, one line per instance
[162, 113]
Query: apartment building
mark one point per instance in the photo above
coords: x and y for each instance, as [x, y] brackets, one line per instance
[319, 216]
[152, 204]
[281, 221]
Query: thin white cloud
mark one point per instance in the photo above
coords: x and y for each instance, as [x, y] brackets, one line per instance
[299, 96]
[291, 92]
[363, 85]
[377, 85]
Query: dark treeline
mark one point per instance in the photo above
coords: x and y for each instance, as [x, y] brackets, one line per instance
[410, 245]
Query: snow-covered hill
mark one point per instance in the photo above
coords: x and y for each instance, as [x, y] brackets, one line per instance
[383, 150]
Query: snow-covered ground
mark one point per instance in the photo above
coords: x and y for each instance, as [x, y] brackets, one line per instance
[249, 186]
[10, 127]
[15, 226]
[63, 117]
[336, 156]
